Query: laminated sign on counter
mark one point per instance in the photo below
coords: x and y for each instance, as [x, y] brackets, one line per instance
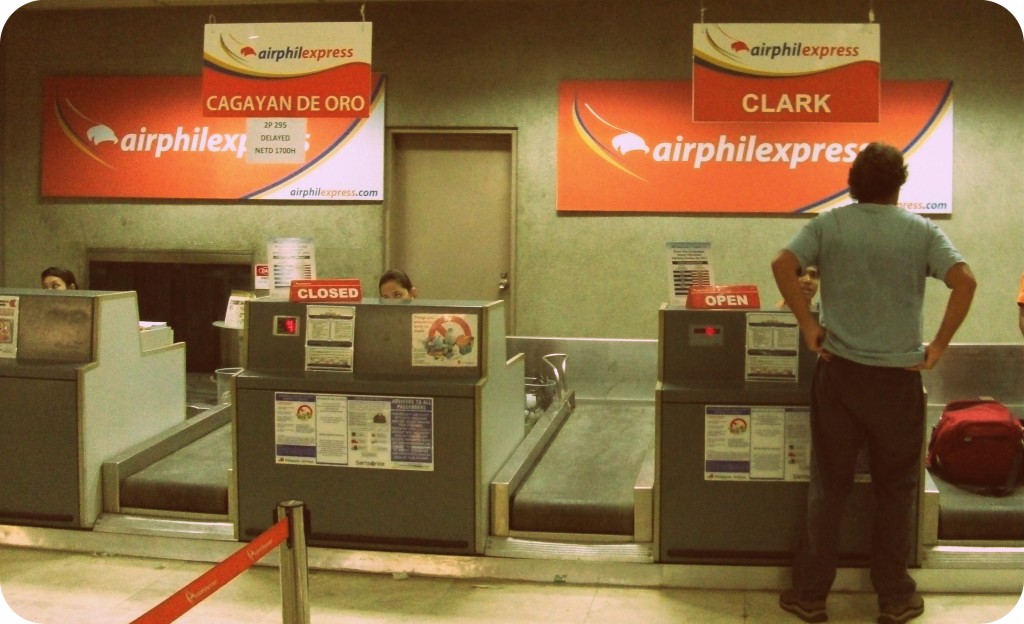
[9, 327]
[444, 339]
[355, 431]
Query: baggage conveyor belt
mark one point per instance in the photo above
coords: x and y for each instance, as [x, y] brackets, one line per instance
[184, 472]
[193, 479]
[584, 472]
[584, 481]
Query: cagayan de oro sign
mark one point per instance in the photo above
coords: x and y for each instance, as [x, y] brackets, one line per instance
[319, 69]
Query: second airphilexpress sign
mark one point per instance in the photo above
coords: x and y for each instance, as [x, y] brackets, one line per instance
[786, 72]
[287, 70]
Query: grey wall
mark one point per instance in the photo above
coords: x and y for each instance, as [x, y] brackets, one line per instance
[498, 64]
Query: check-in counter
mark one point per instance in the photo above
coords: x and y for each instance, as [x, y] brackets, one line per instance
[85, 382]
[387, 419]
[733, 440]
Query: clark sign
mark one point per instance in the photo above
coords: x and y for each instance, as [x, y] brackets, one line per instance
[786, 72]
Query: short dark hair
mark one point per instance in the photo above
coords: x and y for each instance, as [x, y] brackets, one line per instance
[64, 274]
[394, 275]
[876, 173]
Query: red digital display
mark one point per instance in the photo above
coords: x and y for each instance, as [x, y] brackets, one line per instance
[709, 330]
[286, 326]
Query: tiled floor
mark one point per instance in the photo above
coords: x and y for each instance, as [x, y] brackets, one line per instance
[49, 587]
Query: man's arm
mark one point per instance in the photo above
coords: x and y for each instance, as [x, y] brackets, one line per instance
[786, 269]
[961, 285]
[1020, 306]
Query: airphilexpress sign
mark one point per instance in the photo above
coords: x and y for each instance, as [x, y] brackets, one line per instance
[287, 70]
[786, 72]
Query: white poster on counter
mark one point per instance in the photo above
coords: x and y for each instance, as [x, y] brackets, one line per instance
[444, 339]
[762, 443]
[772, 347]
[295, 428]
[9, 310]
[757, 443]
[355, 431]
[330, 338]
[234, 315]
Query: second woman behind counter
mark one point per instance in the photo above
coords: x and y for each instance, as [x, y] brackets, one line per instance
[395, 284]
[56, 278]
[809, 280]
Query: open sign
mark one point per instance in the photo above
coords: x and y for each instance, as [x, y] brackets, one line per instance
[738, 296]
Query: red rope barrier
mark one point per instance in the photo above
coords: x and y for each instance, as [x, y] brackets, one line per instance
[216, 577]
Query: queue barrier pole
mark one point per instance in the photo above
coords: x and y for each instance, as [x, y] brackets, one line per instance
[294, 569]
[289, 532]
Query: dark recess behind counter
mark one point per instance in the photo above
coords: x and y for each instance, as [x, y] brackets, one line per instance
[188, 296]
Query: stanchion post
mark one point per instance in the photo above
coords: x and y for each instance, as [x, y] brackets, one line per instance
[294, 571]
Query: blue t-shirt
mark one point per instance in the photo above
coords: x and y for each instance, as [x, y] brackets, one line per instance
[873, 261]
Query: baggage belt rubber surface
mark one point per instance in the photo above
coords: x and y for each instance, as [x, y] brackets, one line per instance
[584, 481]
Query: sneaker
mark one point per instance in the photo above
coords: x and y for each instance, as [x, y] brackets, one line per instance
[806, 610]
[903, 611]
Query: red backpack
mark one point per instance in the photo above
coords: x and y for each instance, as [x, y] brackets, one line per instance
[977, 442]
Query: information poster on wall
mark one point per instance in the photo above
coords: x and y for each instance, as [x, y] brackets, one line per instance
[444, 339]
[9, 310]
[689, 264]
[290, 259]
[772, 347]
[355, 431]
[330, 338]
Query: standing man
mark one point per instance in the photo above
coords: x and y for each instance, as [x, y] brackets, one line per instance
[874, 257]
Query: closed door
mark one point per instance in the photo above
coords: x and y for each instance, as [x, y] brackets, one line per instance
[450, 219]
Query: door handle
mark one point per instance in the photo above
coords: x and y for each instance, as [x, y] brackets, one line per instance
[504, 283]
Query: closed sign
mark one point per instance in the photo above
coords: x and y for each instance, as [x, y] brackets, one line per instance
[326, 291]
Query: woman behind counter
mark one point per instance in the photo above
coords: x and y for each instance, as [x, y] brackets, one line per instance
[809, 280]
[395, 284]
[56, 278]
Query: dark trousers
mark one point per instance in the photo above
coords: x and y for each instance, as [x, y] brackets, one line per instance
[852, 405]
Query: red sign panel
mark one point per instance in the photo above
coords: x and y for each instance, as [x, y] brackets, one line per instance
[733, 297]
[318, 69]
[786, 72]
[632, 146]
[326, 291]
[146, 137]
